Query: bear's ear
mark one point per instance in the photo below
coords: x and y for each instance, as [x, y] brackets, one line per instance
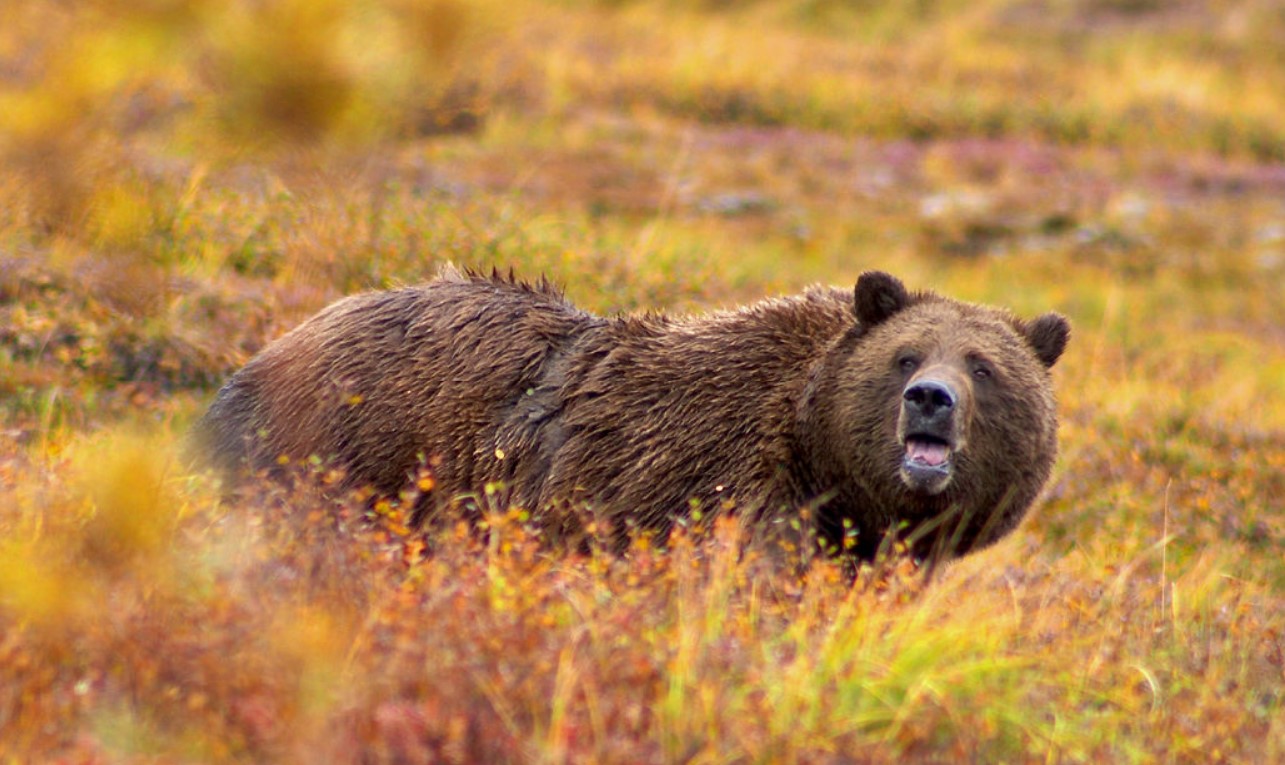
[878, 295]
[1048, 334]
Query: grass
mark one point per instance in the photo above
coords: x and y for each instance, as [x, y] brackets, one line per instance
[182, 182]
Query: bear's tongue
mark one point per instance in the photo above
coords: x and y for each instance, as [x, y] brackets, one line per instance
[931, 453]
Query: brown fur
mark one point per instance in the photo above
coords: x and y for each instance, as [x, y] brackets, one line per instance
[786, 403]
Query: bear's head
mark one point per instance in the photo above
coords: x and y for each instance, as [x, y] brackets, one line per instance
[935, 416]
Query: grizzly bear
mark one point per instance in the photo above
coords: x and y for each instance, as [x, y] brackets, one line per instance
[875, 412]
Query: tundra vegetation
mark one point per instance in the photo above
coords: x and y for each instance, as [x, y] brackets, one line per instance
[183, 180]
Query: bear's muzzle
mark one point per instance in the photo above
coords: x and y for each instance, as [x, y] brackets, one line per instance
[929, 431]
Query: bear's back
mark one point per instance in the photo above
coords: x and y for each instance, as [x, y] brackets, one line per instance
[373, 379]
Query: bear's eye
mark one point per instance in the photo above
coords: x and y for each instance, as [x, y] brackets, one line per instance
[908, 363]
[982, 372]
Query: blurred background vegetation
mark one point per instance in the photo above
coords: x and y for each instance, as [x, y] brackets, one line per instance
[182, 181]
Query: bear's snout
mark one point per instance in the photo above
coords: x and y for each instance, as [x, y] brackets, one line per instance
[930, 433]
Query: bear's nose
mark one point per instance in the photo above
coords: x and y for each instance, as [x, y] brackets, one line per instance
[927, 397]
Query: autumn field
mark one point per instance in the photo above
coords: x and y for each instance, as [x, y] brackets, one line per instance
[181, 181]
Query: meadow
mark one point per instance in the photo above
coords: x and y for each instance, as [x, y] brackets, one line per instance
[183, 180]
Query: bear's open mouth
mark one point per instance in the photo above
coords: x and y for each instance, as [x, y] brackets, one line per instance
[926, 450]
[926, 466]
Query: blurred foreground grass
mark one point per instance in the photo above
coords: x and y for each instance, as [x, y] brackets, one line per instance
[182, 181]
